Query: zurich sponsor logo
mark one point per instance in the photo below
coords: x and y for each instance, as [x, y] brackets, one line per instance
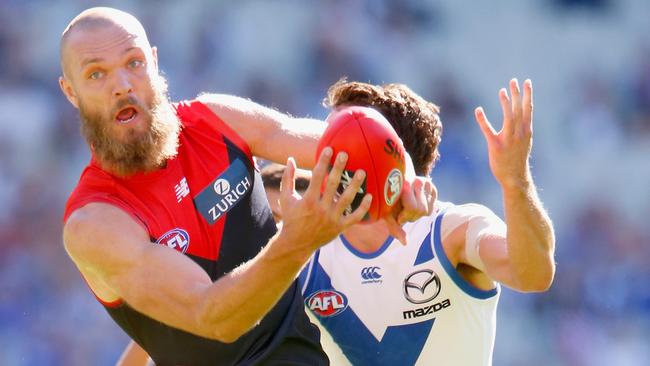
[371, 275]
[176, 239]
[224, 192]
[421, 286]
[327, 303]
[221, 187]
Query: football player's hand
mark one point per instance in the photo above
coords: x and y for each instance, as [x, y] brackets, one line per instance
[315, 219]
[509, 148]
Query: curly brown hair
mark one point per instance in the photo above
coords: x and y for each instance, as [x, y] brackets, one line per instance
[415, 120]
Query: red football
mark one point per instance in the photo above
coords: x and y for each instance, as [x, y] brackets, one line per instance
[372, 145]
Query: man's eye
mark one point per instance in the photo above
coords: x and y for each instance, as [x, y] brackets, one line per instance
[135, 64]
[95, 75]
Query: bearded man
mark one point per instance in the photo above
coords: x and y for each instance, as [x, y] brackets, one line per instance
[169, 224]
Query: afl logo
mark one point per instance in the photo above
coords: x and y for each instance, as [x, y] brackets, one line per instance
[326, 303]
[221, 186]
[393, 186]
[421, 286]
[176, 239]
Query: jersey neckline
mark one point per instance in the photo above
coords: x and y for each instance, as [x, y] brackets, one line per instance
[363, 255]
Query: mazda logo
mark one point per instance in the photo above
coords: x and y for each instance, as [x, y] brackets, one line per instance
[421, 286]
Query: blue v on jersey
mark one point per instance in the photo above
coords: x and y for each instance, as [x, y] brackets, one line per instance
[402, 305]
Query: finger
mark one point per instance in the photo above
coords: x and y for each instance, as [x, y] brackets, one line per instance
[516, 105]
[395, 229]
[357, 215]
[407, 200]
[334, 178]
[318, 174]
[409, 168]
[484, 124]
[506, 108]
[528, 106]
[420, 194]
[419, 208]
[432, 194]
[288, 184]
[347, 197]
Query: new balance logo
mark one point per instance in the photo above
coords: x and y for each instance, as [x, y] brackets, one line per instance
[371, 275]
[181, 189]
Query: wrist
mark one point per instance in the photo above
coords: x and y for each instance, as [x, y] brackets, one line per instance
[518, 181]
[290, 248]
[517, 186]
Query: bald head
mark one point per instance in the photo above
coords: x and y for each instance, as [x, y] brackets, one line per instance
[98, 20]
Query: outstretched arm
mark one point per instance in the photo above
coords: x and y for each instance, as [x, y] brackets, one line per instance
[524, 259]
[275, 136]
[114, 254]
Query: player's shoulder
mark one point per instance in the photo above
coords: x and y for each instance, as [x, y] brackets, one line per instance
[466, 211]
[96, 215]
[83, 223]
[96, 224]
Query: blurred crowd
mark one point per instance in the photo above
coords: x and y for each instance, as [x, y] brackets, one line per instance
[590, 66]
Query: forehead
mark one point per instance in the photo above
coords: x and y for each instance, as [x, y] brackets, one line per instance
[101, 42]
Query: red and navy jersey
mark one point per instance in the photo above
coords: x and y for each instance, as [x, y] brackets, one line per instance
[208, 203]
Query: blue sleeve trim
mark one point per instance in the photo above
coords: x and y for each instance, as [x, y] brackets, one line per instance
[467, 287]
[359, 254]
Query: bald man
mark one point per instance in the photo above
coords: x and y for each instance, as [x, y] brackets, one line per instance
[169, 225]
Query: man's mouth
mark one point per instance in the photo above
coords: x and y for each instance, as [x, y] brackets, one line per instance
[126, 115]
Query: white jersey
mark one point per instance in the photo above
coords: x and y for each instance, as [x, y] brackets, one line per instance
[402, 305]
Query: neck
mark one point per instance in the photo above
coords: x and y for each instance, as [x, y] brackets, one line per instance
[367, 238]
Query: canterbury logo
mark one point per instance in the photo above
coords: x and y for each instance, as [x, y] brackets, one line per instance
[370, 273]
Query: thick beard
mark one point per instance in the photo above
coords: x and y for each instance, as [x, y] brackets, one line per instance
[137, 152]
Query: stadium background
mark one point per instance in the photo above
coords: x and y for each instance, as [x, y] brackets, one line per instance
[590, 64]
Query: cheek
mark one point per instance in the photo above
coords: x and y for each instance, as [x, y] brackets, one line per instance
[94, 101]
[146, 88]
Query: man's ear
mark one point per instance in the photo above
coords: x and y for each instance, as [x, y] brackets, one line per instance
[154, 52]
[68, 91]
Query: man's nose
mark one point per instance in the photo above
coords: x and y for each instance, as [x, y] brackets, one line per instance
[123, 84]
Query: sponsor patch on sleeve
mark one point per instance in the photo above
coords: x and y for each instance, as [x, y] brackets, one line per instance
[224, 192]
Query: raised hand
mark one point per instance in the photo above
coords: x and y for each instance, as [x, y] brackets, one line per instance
[315, 219]
[509, 148]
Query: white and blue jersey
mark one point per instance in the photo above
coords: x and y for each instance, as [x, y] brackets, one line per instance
[402, 305]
